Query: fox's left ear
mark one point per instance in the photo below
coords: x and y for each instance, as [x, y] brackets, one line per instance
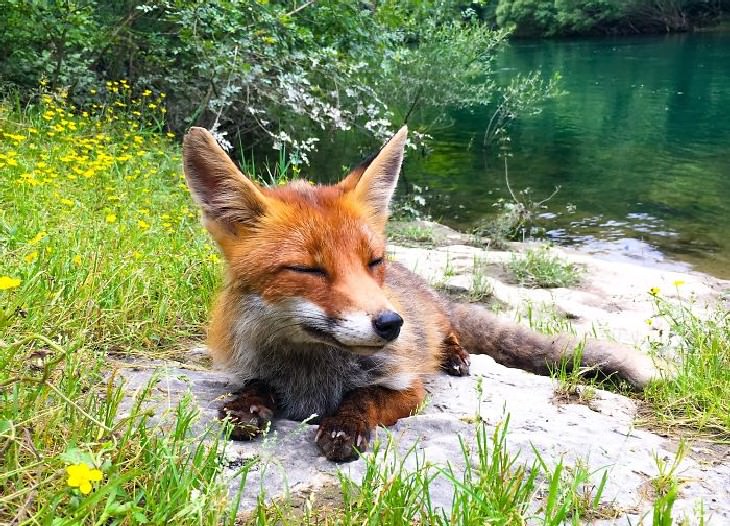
[228, 198]
[373, 183]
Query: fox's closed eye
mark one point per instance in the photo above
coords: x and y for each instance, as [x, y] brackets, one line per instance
[375, 262]
[301, 269]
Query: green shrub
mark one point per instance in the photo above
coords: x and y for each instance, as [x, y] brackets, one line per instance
[571, 17]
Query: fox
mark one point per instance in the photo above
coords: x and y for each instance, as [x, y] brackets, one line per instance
[317, 323]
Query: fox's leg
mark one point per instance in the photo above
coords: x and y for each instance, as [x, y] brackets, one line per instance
[343, 434]
[250, 411]
[454, 359]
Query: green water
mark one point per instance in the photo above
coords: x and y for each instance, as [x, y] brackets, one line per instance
[640, 146]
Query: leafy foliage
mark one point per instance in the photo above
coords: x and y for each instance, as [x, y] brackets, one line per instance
[280, 74]
[569, 17]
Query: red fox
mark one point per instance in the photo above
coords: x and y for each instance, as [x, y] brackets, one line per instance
[315, 320]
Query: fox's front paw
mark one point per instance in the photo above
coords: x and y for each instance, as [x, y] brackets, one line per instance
[250, 414]
[341, 438]
[456, 363]
[454, 359]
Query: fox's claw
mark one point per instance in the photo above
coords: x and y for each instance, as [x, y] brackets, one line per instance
[341, 439]
[249, 413]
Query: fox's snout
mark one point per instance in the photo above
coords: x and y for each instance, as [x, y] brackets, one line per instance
[366, 333]
[387, 325]
[354, 330]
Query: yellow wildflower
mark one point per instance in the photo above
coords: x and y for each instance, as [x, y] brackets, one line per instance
[143, 225]
[6, 282]
[67, 202]
[111, 218]
[678, 282]
[654, 291]
[30, 258]
[81, 476]
[137, 255]
[77, 260]
[38, 237]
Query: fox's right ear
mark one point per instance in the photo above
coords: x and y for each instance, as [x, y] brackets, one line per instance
[226, 196]
[373, 182]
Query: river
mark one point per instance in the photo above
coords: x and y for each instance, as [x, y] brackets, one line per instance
[639, 144]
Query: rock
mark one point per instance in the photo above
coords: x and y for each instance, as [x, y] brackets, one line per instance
[611, 299]
[601, 435]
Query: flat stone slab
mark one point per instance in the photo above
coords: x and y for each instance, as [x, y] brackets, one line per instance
[600, 434]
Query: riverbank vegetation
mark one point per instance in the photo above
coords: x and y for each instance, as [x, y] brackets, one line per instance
[534, 18]
[103, 256]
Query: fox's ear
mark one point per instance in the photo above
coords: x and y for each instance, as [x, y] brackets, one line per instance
[373, 182]
[226, 196]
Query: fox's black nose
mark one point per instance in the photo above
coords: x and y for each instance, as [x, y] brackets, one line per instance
[387, 324]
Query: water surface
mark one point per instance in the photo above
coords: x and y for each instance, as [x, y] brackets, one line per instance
[640, 146]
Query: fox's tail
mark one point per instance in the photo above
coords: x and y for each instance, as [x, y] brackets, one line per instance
[481, 332]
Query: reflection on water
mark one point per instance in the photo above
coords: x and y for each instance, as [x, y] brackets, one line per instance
[614, 240]
[640, 146]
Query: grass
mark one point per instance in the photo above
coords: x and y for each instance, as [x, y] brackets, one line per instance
[697, 400]
[538, 268]
[101, 251]
[409, 232]
[103, 254]
[493, 486]
[481, 287]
